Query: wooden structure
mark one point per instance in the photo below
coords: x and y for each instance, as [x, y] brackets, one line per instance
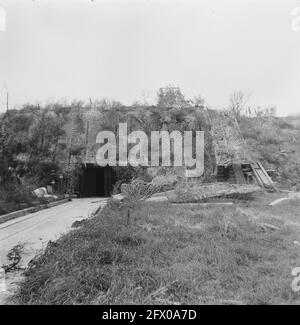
[234, 164]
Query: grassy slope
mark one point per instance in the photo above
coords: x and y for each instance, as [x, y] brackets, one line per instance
[275, 141]
[170, 254]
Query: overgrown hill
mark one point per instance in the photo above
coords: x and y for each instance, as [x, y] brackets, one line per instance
[37, 142]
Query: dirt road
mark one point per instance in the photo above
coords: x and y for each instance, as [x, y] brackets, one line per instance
[36, 229]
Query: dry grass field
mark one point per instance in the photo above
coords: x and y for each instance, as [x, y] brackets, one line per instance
[167, 254]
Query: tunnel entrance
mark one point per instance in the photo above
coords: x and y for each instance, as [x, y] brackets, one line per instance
[96, 181]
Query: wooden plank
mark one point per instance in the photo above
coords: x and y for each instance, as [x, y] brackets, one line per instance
[265, 172]
[260, 174]
[257, 176]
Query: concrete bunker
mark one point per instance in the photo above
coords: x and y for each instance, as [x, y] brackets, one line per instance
[96, 181]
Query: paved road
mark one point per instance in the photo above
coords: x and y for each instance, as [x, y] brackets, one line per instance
[36, 229]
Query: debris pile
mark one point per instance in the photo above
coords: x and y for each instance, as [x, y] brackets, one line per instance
[191, 192]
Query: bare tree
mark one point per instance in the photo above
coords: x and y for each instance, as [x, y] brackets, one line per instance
[265, 111]
[238, 101]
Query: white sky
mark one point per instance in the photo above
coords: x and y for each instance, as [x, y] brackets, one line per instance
[76, 49]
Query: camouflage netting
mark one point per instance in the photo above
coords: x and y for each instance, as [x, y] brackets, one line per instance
[145, 119]
[230, 146]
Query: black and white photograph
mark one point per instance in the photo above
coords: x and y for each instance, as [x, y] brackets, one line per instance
[149, 155]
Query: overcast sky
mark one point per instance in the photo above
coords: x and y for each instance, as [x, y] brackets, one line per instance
[72, 49]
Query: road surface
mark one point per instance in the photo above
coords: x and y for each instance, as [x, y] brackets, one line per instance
[36, 229]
